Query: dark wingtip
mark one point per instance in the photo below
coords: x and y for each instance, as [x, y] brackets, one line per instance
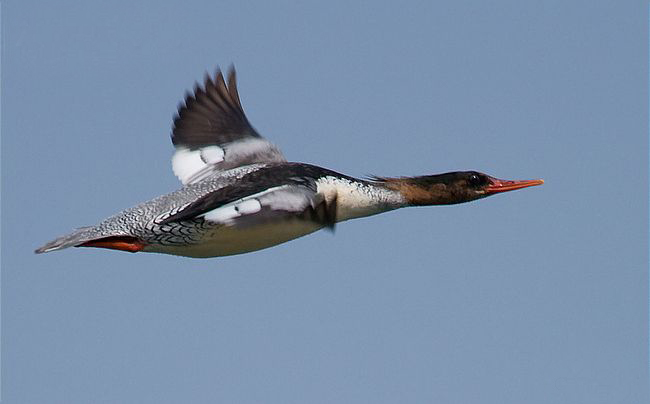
[330, 214]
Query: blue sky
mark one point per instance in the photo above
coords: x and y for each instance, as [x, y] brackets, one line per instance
[535, 296]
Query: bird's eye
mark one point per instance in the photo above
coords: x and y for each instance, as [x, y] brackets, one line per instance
[475, 180]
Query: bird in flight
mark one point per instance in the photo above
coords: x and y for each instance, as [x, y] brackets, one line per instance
[240, 194]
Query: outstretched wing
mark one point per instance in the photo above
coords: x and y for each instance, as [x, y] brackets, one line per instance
[282, 191]
[211, 132]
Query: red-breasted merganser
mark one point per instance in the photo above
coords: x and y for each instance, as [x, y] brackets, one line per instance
[240, 194]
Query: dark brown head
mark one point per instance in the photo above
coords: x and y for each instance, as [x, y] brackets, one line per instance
[451, 188]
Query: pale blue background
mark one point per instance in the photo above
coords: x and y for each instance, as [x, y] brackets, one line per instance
[537, 296]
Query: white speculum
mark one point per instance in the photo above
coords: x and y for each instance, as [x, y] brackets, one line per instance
[186, 162]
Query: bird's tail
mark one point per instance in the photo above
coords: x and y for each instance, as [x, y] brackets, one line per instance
[91, 237]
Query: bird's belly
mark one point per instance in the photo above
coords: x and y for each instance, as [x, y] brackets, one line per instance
[228, 240]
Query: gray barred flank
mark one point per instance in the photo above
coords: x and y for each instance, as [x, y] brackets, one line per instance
[141, 220]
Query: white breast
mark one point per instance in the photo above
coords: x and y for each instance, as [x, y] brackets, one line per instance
[357, 199]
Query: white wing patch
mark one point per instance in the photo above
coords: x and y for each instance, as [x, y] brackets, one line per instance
[248, 206]
[195, 165]
[212, 154]
[283, 199]
[186, 163]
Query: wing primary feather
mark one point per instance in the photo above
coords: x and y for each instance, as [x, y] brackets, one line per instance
[212, 115]
[324, 213]
[216, 92]
[232, 86]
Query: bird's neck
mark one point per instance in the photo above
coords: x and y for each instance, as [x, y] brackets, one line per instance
[419, 191]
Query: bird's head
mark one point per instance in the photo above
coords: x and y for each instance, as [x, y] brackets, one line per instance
[453, 187]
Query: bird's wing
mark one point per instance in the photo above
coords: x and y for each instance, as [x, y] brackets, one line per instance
[232, 206]
[211, 132]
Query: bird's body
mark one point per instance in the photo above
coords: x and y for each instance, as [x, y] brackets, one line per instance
[241, 195]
